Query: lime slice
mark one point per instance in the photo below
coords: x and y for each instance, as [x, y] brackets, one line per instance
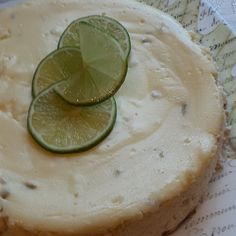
[58, 65]
[63, 128]
[102, 72]
[71, 36]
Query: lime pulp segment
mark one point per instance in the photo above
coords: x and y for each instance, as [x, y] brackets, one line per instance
[71, 36]
[63, 128]
[103, 68]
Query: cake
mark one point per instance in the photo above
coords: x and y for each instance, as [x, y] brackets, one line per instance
[150, 173]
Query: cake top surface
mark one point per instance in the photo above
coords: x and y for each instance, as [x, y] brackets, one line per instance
[169, 117]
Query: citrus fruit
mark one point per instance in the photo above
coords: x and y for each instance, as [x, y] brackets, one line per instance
[63, 128]
[71, 36]
[102, 71]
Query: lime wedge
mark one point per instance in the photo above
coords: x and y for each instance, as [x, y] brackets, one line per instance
[58, 65]
[102, 72]
[63, 128]
[71, 36]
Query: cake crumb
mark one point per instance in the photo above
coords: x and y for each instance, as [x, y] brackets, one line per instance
[117, 172]
[184, 109]
[30, 185]
[118, 199]
[146, 40]
[156, 94]
[142, 21]
[4, 194]
[161, 154]
[4, 33]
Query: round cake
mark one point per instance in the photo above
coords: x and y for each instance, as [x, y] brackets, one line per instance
[150, 173]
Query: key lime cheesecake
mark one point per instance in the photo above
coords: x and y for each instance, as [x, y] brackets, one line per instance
[150, 173]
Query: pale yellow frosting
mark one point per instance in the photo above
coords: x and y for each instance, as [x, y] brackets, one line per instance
[169, 117]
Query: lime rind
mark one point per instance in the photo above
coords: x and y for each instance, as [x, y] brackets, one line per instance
[70, 36]
[59, 127]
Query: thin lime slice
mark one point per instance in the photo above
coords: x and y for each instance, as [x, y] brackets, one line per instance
[71, 36]
[102, 72]
[58, 65]
[63, 128]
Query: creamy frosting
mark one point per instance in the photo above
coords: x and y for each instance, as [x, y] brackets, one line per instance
[169, 117]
